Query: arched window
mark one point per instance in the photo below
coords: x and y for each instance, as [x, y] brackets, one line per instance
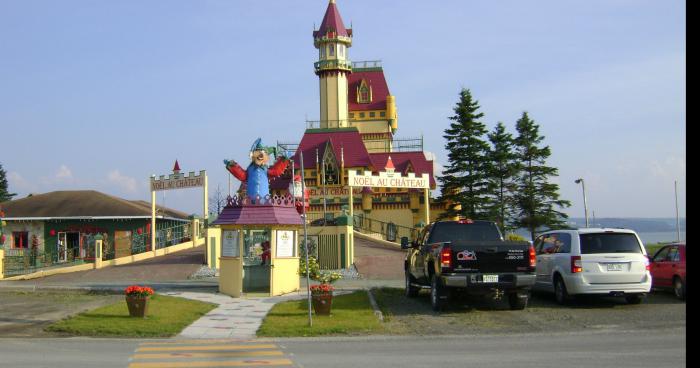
[331, 50]
[364, 92]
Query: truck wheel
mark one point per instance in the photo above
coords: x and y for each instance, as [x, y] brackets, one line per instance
[438, 297]
[560, 293]
[411, 291]
[518, 301]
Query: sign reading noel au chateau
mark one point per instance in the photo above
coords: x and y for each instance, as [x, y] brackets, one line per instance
[388, 179]
[177, 180]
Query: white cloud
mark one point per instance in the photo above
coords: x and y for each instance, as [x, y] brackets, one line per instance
[64, 173]
[18, 184]
[671, 166]
[126, 183]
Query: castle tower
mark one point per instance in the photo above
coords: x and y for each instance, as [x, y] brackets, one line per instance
[333, 40]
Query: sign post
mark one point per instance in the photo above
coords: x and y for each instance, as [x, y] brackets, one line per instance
[176, 180]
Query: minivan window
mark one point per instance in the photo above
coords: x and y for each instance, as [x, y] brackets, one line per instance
[456, 232]
[609, 243]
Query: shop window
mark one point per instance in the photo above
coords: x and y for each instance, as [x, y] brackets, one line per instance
[20, 239]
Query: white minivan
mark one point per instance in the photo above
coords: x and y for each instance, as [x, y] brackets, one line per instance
[610, 262]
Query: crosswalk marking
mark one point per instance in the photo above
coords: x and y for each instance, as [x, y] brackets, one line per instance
[206, 347]
[207, 353]
[243, 363]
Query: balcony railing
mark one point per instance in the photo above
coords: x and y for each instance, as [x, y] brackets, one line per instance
[332, 65]
[323, 124]
[369, 64]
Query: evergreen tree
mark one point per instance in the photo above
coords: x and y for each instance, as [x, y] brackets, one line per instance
[537, 198]
[464, 184]
[4, 194]
[504, 168]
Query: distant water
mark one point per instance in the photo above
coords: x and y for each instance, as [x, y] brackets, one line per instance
[661, 237]
[647, 238]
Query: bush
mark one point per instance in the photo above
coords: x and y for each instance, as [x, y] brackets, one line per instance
[515, 237]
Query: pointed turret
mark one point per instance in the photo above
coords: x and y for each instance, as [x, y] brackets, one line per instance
[176, 168]
[333, 40]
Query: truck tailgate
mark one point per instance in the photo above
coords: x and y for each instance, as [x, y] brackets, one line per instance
[490, 257]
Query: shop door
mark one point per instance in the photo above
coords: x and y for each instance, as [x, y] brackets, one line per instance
[61, 248]
[256, 261]
[122, 244]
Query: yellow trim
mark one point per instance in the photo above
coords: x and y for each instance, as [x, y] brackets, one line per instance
[247, 363]
[209, 355]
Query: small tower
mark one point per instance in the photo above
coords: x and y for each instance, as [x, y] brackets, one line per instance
[333, 40]
[176, 169]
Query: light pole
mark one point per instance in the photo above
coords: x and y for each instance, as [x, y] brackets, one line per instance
[585, 206]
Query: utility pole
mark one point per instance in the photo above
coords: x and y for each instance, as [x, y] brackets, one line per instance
[306, 239]
[678, 221]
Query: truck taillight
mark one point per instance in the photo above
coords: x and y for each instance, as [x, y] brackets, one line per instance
[446, 257]
[576, 265]
[533, 257]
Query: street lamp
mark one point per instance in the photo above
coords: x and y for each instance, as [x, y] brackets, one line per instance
[585, 206]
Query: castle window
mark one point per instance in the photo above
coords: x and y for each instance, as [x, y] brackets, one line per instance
[323, 52]
[362, 115]
[364, 92]
[352, 115]
[331, 50]
[330, 169]
[382, 113]
[371, 114]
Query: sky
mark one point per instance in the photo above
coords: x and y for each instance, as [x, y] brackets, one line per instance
[103, 94]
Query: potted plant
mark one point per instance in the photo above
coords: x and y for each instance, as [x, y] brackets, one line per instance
[137, 300]
[322, 298]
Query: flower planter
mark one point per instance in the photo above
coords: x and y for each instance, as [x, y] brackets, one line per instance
[322, 303]
[138, 305]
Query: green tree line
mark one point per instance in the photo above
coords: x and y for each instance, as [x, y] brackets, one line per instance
[499, 176]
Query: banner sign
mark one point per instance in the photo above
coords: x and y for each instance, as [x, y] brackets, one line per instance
[285, 243]
[178, 181]
[388, 179]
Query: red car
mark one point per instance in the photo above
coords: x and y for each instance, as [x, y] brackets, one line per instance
[668, 269]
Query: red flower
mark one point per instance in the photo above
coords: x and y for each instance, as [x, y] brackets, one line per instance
[135, 290]
[322, 289]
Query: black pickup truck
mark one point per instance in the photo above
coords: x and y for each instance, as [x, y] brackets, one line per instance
[467, 256]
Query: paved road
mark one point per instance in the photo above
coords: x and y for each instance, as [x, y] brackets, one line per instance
[614, 348]
[619, 349]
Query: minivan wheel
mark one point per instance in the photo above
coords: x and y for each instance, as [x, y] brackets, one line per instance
[411, 291]
[634, 298]
[436, 292]
[560, 293]
[679, 288]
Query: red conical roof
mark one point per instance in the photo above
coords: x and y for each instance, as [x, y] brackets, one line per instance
[389, 164]
[332, 22]
[177, 166]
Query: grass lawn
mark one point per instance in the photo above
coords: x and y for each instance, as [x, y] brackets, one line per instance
[350, 314]
[167, 316]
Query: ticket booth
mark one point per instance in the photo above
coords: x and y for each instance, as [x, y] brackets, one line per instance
[259, 252]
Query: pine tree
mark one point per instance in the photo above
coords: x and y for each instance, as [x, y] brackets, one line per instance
[4, 194]
[504, 168]
[537, 198]
[464, 184]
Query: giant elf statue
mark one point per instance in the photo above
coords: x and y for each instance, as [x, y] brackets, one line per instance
[257, 174]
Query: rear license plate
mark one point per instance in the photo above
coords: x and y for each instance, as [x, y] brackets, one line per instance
[616, 266]
[490, 278]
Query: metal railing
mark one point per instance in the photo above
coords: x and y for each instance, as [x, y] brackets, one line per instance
[366, 64]
[388, 231]
[21, 261]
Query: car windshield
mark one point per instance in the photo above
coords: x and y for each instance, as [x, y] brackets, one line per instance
[456, 232]
[609, 243]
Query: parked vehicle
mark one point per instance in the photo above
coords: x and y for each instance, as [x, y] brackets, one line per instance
[668, 269]
[587, 261]
[471, 257]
